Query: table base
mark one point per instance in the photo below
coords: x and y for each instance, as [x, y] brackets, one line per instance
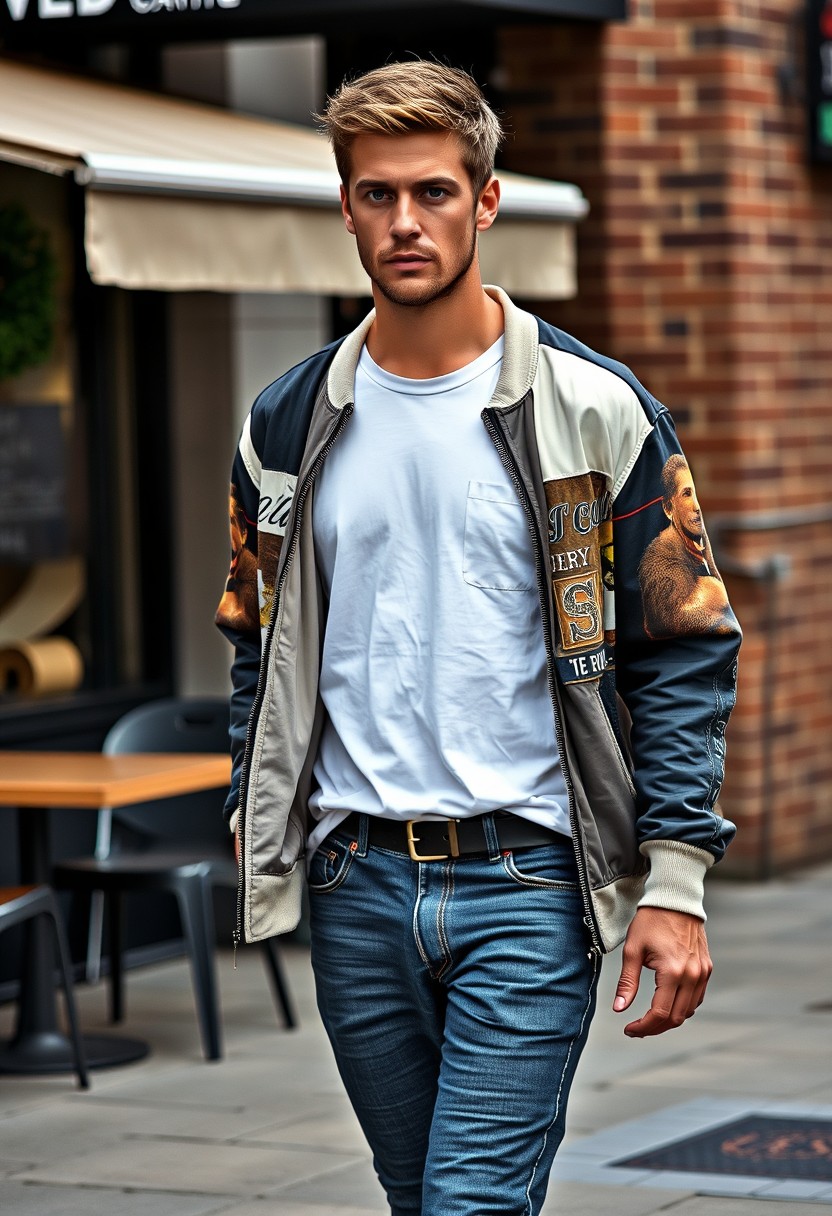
[50, 1052]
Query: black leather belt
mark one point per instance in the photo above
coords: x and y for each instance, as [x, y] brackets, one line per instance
[442, 839]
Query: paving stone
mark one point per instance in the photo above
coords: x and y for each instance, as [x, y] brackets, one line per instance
[30, 1199]
[340, 1130]
[704, 1205]
[356, 1183]
[706, 1184]
[596, 1107]
[296, 1207]
[186, 1166]
[582, 1200]
[747, 1074]
[794, 1188]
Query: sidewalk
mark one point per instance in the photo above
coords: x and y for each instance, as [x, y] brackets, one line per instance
[267, 1131]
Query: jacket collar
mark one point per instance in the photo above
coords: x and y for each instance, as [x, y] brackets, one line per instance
[516, 375]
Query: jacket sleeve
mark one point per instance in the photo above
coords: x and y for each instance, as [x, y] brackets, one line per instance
[238, 614]
[677, 641]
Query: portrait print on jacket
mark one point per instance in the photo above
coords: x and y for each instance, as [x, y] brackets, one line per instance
[680, 585]
[239, 605]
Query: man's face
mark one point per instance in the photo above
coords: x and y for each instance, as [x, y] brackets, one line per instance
[684, 510]
[412, 210]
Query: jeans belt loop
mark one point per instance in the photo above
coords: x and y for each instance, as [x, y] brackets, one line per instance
[363, 834]
[489, 828]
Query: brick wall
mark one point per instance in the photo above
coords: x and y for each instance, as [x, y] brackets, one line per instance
[706, 264]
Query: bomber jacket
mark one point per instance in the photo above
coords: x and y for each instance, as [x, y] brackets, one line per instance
[641, 648]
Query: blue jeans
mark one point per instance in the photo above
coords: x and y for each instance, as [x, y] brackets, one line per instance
[457, 996]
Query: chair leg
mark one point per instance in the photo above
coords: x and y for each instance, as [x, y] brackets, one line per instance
[115, 919]
[69, 995]
[95, 933]
[196, 909]
[274, 967]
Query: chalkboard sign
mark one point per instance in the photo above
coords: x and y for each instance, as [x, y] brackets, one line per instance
[33, 520]
[819, 47]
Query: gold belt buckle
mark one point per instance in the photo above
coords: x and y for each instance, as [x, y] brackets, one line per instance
[412, 841]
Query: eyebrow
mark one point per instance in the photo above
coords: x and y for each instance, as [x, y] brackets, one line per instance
[367, 183]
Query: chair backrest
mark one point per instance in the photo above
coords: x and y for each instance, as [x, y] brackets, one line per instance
[174, 724]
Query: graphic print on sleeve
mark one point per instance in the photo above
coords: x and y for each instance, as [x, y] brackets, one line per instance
[581, 566]
[238, 608]
[276, 493]
[681, 589]
[255, 552]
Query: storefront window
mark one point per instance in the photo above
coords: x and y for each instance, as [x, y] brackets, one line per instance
[77, 503]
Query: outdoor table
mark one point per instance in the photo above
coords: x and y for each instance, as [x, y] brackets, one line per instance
[33, 782]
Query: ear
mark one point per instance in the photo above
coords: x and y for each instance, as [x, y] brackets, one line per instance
[345, 210]
[488, 205]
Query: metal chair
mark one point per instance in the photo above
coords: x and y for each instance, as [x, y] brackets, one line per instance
[19, 904]
[179, 845]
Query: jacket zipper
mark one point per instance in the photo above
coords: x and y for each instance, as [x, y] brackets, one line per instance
[495, 431]
[257, 704]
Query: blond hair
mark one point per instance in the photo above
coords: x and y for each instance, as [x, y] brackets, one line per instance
[414, 96]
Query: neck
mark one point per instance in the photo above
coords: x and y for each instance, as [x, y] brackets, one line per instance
[438, 338]
[696, 547]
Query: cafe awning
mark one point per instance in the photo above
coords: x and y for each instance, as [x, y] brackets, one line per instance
[182, 196]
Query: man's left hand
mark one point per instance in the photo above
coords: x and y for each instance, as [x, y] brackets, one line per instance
[673, 944]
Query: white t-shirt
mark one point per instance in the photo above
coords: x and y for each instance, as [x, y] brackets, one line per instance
[434, 668]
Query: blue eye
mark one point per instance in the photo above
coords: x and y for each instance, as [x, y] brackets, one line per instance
[436, 192]
[377, 195]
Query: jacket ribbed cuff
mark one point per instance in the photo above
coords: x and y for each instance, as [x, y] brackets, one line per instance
[677, 876]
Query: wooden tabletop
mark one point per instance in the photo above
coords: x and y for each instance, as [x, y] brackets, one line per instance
[91, 779]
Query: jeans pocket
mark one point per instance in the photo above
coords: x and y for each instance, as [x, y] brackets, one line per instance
[549, 865]
[330, 865]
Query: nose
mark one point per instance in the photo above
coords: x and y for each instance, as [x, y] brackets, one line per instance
[404, 222]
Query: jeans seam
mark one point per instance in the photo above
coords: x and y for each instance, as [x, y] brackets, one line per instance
[525, 880]
[447, 892]
[416, 935]
[334, 883]
[574, 1039]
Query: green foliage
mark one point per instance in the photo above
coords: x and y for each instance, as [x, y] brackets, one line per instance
[28, 272]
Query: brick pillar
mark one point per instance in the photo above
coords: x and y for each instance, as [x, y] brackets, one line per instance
[706, 265]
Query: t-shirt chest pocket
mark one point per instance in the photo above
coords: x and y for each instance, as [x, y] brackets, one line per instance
[496, 551]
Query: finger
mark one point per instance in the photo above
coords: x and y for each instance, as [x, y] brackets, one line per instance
[701, 986]
[674, 1001]
[655, 1019]
[628, 981]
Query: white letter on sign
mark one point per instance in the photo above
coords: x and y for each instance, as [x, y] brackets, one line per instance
[55, 8]
[17, 8]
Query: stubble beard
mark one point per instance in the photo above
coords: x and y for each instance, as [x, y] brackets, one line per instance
[430, 292]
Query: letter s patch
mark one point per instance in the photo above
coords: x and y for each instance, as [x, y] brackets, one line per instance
[578, 603]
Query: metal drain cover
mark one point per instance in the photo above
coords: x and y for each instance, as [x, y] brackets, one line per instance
[769, 1146]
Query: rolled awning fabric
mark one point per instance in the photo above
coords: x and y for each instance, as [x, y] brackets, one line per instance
[185, 244]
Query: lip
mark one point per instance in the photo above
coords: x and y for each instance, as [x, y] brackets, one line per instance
[407, 261]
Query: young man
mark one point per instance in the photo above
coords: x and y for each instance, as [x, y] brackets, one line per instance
[437, 734]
